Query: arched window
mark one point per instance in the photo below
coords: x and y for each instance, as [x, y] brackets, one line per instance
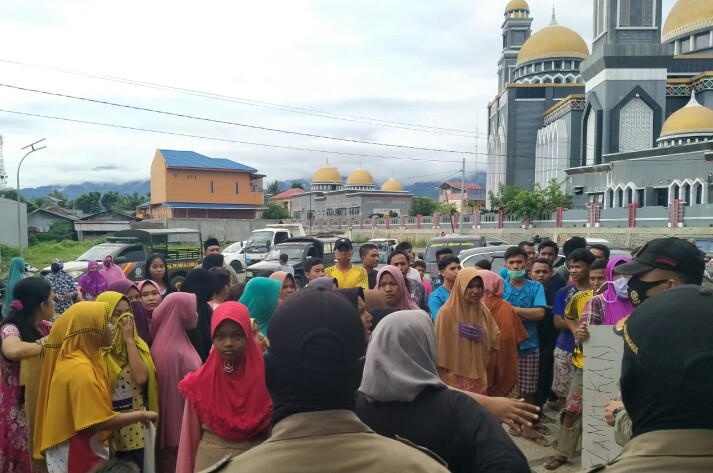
[620, 198]
[636, 126]
[636, 13]
[610, 198]
[629, 196]
[590, 152]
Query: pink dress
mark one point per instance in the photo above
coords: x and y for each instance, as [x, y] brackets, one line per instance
[14, 450]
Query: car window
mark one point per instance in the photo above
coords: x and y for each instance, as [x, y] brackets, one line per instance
[456, 245]
[280, 237]
[133, 254]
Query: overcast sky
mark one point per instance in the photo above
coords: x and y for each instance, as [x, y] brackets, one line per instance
[422, 62]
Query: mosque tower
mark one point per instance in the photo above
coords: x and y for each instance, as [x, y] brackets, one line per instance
[516, 30]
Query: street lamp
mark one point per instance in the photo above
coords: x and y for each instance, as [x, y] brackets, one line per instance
[33, 147]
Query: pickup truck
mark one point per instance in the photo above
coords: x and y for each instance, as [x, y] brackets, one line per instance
[261, 241]
[130, 248]
[297, 251]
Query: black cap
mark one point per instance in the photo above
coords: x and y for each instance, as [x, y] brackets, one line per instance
[669, 254]
[210, 242]
[317, 330]
[342, 242]
[669, 335]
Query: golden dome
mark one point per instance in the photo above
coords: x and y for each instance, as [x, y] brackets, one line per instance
[360, 177]
[687, 16]
[327, 175]
[392, 185]
[693, 119]
[554, 41]
[514, 5]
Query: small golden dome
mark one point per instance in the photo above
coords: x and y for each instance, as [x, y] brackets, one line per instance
[515, 5]
[693, 119]
[554, 41]
[360, 177]
[327, 175]
[686, 17]
[392, 185]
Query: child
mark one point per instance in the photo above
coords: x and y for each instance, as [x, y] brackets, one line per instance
[314, 268]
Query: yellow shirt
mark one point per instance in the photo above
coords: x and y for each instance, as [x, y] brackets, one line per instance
[355, 277]
[573, 311]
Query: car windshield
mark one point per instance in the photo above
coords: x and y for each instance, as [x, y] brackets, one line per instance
[456, 245]
[260, 240]
[98, 253]
[234, 247]
[292, 252]
[705, 246]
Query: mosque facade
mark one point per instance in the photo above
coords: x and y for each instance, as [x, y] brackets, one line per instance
[628, 124]
[329, 197]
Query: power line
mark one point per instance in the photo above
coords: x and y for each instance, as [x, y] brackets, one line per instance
[257, 103]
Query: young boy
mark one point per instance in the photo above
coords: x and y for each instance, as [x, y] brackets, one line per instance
[314, 268]
[448, 267]
[420, 266]
[284, 265]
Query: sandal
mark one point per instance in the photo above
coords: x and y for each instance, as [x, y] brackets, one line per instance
[543, 429]
[515, 433]
[539, 440]
[554, 462]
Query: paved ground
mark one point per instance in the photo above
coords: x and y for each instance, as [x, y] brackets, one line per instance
[538, 456]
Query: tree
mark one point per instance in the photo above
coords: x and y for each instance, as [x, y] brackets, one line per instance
[89, 203]
[424, 206]
[109, 199]
[275, 211]
[503, 197]
[273, 188]
[554, 197]
[527, 204]
[298, 185]
[128, 203]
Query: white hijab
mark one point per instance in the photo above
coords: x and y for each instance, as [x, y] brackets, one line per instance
[401, 358]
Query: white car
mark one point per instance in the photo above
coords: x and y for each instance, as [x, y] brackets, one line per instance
[234, 255]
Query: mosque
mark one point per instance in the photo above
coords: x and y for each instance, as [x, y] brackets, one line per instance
[628, 124]
[330, 197]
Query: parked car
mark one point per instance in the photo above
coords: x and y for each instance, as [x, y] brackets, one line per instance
[261, 241]
[494, 254]
[490, 241]
[298, 250]
[234, 255]
[457, 243]
[385, 244]
[130, 248]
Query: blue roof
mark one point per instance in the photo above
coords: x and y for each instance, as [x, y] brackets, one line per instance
[190, 205]
[191, 159]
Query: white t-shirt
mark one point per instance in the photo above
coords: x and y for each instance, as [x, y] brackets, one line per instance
[286, 268]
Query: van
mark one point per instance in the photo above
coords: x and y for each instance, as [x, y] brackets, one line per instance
[457, 243]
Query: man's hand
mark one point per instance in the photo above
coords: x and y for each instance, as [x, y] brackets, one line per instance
[609, 411]
[513, 412]
[582, 333]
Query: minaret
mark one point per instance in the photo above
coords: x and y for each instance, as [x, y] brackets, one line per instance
[3, 174]
[516, 30]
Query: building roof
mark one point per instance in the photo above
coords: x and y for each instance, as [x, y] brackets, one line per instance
[287, 194]
[360, 177]
[515, 5]
[392, 185]
[553, 41]
[193, 160]
[686, 17]
[469, 186]
[107, 213]
[692, 120]
[190, 205]
[56, 213]
[327, 175]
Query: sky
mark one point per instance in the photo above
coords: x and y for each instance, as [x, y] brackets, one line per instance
[403, 74]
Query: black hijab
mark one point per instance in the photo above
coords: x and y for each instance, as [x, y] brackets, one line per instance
[203, 284]
[214, 260]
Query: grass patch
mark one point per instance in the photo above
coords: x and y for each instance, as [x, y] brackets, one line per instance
[42, 254]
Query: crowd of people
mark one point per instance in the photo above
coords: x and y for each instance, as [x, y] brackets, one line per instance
[364, 369]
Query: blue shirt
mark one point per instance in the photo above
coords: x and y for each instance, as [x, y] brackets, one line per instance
[436, 300]
[438, 281]
[529, 296]
[565, 341]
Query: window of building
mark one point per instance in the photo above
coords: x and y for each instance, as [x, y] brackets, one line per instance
[702, 41]
[636, 126]
[212, 188]
[636, 13]
[600, 16]
[237, 188]
[591, 154]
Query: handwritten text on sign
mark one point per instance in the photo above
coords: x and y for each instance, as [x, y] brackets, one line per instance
[602, 369]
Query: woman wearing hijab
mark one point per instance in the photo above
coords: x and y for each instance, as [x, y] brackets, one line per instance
[15, 274]
[466, 334]
[64, 289]
[92, 283]
[214, 260]
[150, 295]
[260, 297]
[357, 298]
[156, 271]
[327, 283]
[612, 305]
[204, 284]
[401, 382]
[74, 412]
[390, 280]
[174, 357]
[216, 425]
[131, 291]
[287, 283]
[502, 369]
[22, 334]
[110, 271]
[132, 376]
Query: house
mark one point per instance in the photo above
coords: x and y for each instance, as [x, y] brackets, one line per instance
[285, 198]
[40, 220]
[102, 223]
[186, 184]
[450, 192]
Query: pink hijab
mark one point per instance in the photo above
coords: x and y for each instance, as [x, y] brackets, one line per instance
[113, 272]
[406, 303]
[174, 357]
[619, 308]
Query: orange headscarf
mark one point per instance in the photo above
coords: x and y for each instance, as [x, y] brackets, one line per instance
[74, 390]
[459, 355]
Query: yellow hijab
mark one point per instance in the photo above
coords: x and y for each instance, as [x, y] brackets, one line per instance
[115, 357]
[74, 392]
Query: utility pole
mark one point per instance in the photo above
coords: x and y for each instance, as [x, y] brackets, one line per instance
[3, 174]
[462, 194]
[33, 147]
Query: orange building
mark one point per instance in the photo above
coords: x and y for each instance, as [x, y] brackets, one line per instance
[185, 184]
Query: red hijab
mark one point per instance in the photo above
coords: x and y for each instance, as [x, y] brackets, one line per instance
[236, 406]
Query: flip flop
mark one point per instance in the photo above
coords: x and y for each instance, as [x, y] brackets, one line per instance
[554, 462]
[543, 429]
[514, 433]
[540, 440]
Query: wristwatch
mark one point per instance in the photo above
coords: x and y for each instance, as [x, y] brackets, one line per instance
[615, 413]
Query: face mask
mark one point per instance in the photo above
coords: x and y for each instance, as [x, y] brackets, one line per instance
[621, 286]
[107, 263]
[638, 289]
[56, 267]
[516, 274]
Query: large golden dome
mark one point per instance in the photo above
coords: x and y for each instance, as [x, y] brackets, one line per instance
[693, 119]
[392, 185]
[515, 5]
[327, 175]
[360, 177]
[554, 41]
[686, 17]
